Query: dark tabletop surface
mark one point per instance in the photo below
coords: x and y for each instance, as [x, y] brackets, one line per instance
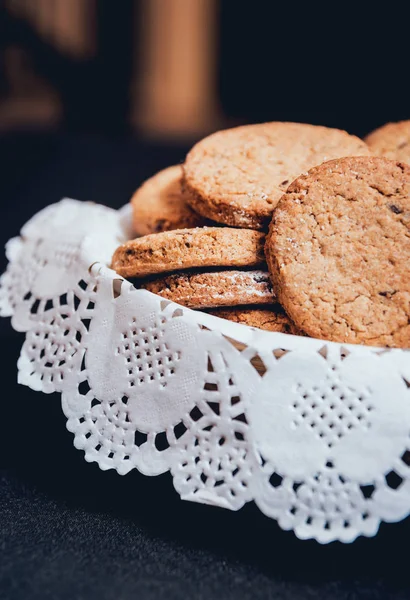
[71, 531]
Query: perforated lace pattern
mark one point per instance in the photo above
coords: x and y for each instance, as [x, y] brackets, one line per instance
[316, 433]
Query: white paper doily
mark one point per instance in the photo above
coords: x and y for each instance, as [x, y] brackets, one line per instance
[316, 433]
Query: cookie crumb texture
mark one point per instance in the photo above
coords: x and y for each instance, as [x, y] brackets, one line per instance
[217, 288]
[391, 141]
[160, 204]
[237, 176]
[187, 248]
[339, 252]
[270, 319]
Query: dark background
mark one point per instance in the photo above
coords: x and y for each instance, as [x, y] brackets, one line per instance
[67, 529]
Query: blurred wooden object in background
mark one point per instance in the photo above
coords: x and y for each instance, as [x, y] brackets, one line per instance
[149, 66]
[30, 99]
[65, 25]
[175, 82]
[69, 25]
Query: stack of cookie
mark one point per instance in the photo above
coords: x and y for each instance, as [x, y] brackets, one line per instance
[206, 268]
[338, 220]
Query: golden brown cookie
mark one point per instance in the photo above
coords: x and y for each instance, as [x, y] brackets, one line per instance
[391, 141]
[214, 288]
[159, 204]
[273, 318]
[187, 248]
[339, 251]
[237, 176]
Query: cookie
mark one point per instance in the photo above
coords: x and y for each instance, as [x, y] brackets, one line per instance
[339, 251]
[159, 204]
[237, 176]
[391, 141]
[187, 248]
[273, 318]
[215, 288]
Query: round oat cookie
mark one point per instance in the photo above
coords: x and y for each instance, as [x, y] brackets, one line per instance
[339, 251]
[216, 288]
[187, 248]
[391, 141]
[273, 318]
[159, 204]
[237, 176]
